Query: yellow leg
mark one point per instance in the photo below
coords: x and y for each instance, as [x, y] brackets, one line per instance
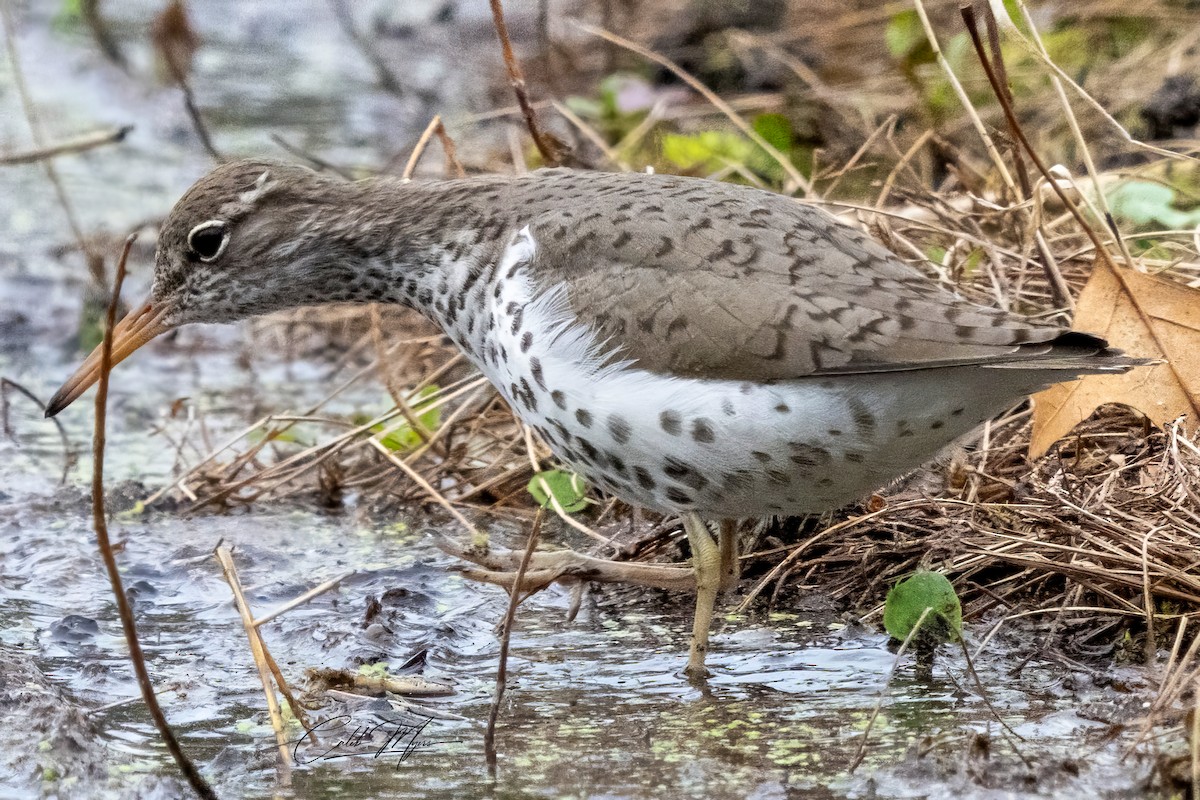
[731, 568]
[706, 561]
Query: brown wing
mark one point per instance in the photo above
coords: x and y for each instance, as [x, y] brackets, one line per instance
[704, 279]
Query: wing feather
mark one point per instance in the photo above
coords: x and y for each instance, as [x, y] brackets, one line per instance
[711, 280]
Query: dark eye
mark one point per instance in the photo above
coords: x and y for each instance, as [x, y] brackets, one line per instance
[208, 239]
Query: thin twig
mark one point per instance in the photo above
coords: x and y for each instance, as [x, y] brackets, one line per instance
[550, 497]
[796, 552]
[433, 493]
[965, 100]
[1150, 647]
[311, 158]
[286, 691]
[862, 743]
[177, 68]
[1060, 73]
[592, 135]
[452, 162]
[68, 451]
[514, 599]
[435, 128]
[90, 11]
[193, 112]
[635, 136]
[312, 593]
[983, 695]
[384, 365]
[229, 569]
[77, 144]
[1010, 114]
[1080, 141]
[387, 79]
[100, 523]
[1194, 744]
[1014, 150]
[517, 80]
[419, 147]
[1058, 286]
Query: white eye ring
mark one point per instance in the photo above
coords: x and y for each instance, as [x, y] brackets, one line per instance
[199, 240]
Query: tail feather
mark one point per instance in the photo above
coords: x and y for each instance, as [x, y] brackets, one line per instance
[1073, 351]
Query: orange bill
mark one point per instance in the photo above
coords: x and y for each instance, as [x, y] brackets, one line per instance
[137, 328]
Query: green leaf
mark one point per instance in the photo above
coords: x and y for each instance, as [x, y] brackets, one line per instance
[904, 35]
[610, 89]
[710, 150]
[776, 129]
[568, 488]
[908, 600]
[971, 263]
[1069, 47]
[403, 437]
[1150, 203]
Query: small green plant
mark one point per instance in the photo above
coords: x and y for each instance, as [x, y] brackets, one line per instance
[403, 437]
[907, 44]
[1149, 204]
[707, 151]
[909, 598]
[1073, 44]
[568, 488]
[714, 150]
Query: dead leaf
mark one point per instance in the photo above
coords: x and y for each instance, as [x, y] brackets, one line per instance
[1144, 316]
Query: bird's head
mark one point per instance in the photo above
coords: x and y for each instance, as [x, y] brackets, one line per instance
[244, 240]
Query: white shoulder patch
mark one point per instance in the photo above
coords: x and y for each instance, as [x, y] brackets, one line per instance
[520, 250]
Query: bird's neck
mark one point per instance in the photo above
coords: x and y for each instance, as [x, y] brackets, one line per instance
[412, 244]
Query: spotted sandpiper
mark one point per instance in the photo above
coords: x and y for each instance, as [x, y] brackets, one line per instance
[696, 348]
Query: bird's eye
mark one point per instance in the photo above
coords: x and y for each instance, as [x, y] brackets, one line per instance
[208, 239]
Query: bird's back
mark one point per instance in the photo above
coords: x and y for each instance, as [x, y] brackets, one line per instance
[698, 278]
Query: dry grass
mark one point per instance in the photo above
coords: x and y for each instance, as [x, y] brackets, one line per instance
[1098, 527]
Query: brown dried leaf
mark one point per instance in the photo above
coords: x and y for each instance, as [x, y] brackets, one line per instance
[1144, 316]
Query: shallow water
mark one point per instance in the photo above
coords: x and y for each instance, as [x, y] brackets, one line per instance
[596, 708]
